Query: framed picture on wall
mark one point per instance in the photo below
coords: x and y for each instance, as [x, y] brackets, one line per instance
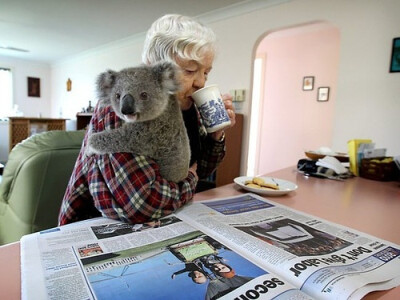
[323, 94]
[308, 83]
[395, 59]
[33, 87]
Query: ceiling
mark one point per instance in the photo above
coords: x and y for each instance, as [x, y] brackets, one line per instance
[53, 30]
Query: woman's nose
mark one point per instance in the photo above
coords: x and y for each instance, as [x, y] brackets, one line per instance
[199, 81]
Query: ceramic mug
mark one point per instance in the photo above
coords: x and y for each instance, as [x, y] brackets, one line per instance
[212, 109]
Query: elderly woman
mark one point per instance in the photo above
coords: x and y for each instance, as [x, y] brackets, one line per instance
[130, 188]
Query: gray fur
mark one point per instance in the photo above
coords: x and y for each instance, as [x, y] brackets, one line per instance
[158, 130]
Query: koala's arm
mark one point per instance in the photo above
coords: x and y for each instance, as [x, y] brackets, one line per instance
[109, 141]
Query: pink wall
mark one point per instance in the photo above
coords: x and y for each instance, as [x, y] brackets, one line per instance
[292, 120]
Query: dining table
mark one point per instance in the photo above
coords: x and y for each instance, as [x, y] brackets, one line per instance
[366, 205]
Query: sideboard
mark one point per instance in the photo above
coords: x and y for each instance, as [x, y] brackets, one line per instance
[230, 166]
[21, 128]
[83, 120]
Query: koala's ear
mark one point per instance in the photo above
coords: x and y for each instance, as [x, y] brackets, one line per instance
[105, 81]
[167, 74]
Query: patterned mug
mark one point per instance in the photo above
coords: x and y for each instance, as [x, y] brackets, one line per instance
[212, 109]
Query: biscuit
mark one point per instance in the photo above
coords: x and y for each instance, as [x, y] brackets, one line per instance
[252, 185]
[270, 185]
[258, 180]
[259, 183]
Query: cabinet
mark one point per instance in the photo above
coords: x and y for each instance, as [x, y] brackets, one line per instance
[21, 128]
[230, 166]
[83, 120]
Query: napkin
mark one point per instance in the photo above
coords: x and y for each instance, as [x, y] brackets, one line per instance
[333, 163]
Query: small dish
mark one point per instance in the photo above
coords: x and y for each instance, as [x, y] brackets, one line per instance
[284, 186]
[315, 155]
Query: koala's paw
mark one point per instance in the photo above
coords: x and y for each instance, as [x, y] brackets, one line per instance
[92, 147]
[89, 151]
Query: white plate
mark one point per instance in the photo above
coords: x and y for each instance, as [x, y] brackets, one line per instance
[284, 186]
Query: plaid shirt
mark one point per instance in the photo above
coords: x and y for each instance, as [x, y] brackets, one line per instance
[127, 187]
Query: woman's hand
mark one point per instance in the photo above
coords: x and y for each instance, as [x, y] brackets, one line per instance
[193, 169]
[227, 98]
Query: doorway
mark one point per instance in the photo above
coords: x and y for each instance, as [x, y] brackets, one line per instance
[288, 119]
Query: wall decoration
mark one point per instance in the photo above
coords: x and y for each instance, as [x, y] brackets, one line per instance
[33, 87]
[69, 85]
[395, 60]
[323, 94]
[308, 83]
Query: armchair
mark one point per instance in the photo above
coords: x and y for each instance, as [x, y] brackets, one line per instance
[34, 182]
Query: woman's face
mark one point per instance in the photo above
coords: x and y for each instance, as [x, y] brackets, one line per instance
[221, 268]
[193, 77]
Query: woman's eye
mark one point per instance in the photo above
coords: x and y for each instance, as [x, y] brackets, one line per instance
[190, 71]
[143, 96]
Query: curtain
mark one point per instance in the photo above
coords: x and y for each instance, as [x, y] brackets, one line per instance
[6, 95]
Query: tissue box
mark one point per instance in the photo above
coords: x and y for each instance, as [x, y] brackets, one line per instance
[353, 154]
[378, 168]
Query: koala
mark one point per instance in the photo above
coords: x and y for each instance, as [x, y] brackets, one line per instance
[144, 98]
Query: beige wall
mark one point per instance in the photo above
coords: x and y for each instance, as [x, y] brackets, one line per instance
[21, 70]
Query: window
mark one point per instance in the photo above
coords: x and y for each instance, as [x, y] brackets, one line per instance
[258, 78]
[6, 95]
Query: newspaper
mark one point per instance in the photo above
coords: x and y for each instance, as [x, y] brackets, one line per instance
[242, 247]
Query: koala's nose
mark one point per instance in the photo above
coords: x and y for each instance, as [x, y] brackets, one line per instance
[128, 105]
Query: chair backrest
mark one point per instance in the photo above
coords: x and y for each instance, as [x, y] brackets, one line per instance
[34, 182]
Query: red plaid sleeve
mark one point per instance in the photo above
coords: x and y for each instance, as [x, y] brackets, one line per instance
[130, 188]
[211, 156]
[213, 152]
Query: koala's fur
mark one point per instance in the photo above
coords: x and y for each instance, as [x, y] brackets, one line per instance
[144, 98]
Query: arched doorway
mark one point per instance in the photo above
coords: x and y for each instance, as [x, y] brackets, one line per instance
[286, 119]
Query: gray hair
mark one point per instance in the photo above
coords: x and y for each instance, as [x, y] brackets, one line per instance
[175, 36]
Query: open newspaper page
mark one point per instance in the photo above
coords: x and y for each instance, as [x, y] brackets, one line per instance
[325, 260]
[167, 259]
